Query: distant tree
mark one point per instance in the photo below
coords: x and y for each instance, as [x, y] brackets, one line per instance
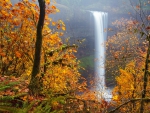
[132, 95]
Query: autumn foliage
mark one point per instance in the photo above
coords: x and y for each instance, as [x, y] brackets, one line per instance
[18, 32]
[59, 68]
[60, 87]
[129, 48]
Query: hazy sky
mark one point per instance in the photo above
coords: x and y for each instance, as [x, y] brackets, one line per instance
[14, 1]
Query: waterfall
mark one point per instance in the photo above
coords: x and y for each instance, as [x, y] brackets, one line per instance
[100, 23]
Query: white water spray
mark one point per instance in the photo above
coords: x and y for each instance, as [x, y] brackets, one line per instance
[100, 22]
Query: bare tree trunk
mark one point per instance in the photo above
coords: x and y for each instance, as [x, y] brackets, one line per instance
[146, 74]
[34, 82]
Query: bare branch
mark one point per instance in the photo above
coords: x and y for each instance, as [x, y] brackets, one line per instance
[132, 100]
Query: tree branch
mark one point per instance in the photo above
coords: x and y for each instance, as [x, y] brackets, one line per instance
[132, 100]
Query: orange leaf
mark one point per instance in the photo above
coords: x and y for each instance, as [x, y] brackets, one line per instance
[18, 54]
[122, 48]
[61, 33]
[148, 17]
[58, 26]
[2, 54]
[53, 7]
[24, 98]
[138, 7]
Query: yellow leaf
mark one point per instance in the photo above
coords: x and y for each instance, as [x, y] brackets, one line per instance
[47, 1]
[16, 88]
[53, 23]
[57, 10]
[24, 98]
[115, 97]
[55, 103]
[63, 28]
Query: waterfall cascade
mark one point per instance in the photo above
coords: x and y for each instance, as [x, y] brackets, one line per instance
[100, 23]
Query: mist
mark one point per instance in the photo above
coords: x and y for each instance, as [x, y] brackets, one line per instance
[80, 24]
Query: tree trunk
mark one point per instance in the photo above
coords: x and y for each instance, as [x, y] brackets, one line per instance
[34, 82]
[146, 74]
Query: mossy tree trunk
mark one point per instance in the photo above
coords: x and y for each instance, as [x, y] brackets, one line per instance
[34, 82]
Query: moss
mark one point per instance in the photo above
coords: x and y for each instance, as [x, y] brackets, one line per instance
[87, 61]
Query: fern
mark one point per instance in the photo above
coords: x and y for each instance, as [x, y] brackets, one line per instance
[11, 104]
[46, 106]
[2, 88]
[6, 98]
[26, 107]
[4, 109]
[8, 103]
